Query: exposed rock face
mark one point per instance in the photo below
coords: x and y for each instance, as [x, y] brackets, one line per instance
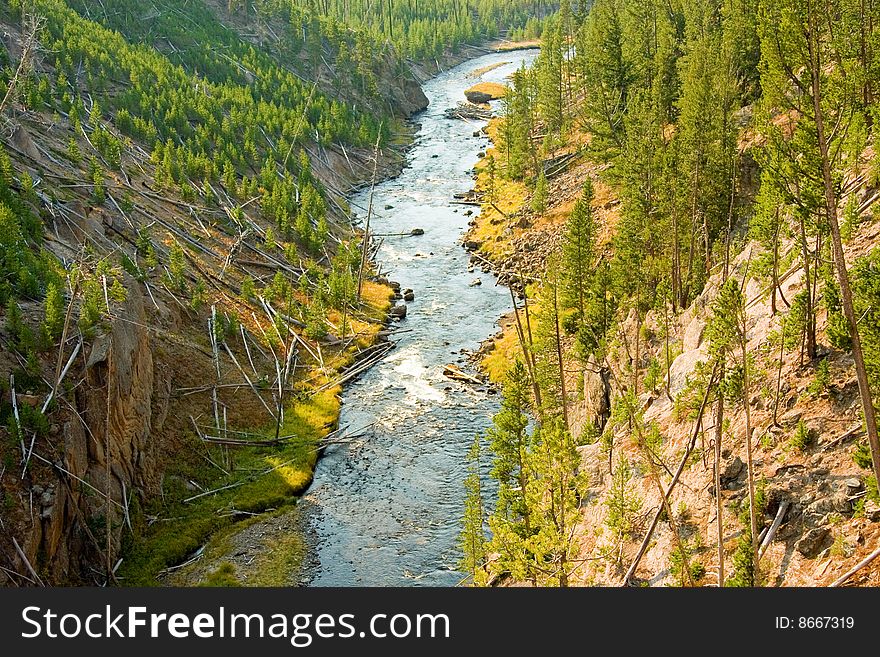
[21, 138]
[814, 541]
[732, 470]
[594, 464]
[414, 99]
[120, 424]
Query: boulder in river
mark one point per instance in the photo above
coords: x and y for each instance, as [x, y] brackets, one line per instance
[476, 282]
[483, 92]
[398, 311]
[409, 295]
[417, 231]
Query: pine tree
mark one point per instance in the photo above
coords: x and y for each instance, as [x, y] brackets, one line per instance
[553, 496]
[472, 539]
[550, 77]
[539, 196]
[578, 251]
[606, 76]
[622, 502]
[511, 443]
[768, 228]
[727, 333]
[54, 314]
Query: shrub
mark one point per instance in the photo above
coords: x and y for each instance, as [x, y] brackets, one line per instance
[821, 381]
[802, 437]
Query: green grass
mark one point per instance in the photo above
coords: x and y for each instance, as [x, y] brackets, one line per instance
[223, 576]
[184, 527]
[274, 566]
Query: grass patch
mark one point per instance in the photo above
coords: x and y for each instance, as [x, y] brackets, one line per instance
[224, 576]
[180, 528]
[276, 563]
[510, 196]
[498, 361]
[494, 90]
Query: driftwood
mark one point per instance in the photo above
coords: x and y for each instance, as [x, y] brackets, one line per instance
[456, 374]
[468, 111]
[360, 367]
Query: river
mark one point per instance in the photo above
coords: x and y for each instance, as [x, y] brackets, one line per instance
[385, 510]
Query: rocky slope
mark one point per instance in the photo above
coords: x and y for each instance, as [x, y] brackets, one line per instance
[815, 491]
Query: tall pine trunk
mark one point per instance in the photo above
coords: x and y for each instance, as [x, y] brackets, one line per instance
[839, 260]
[719, 507]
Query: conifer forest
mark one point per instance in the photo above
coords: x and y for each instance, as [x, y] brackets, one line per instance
[478, 293]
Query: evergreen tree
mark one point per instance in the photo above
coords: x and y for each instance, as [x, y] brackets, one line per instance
[553, 496]
[549, 69]
[472, 539]
[727, 333]
[539, 196]
[511, 443]
[53, 323]
[605, 75]
[578, 250]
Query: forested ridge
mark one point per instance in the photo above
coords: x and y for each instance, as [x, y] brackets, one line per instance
[698, 179]
[183, 285]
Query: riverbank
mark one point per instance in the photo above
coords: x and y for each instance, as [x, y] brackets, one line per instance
[386, 509]
[203, 507]
[252, 533]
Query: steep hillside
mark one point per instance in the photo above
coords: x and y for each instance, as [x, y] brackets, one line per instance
[180, 266]
[664, 316]
[805, 415]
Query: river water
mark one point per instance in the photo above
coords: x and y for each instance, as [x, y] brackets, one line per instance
[385, 510]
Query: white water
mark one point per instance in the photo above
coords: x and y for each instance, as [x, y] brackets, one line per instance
[386, 509]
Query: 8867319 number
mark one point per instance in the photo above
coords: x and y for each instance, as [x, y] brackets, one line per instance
[815, 622]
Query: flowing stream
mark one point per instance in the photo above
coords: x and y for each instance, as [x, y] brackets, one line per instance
[385, 510]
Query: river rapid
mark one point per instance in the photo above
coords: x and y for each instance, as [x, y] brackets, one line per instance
[385, 510]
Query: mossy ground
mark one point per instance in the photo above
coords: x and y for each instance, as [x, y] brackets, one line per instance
[259, 479]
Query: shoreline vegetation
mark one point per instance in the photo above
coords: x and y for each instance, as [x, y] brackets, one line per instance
[252, 514]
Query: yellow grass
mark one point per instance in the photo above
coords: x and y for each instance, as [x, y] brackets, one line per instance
[517, 45]
[510, 197]
[507, 348]
[478, 72]
[493, 89]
